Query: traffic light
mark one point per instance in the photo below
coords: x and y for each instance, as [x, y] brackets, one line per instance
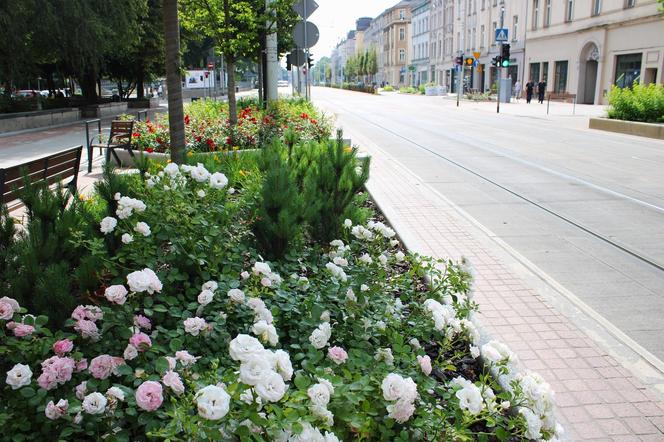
[458, 60]
[289, 62]
[505, 55]
[496, 61]
[310, 61]
[469, 61]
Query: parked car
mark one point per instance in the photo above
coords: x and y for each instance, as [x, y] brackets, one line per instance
[26, 93]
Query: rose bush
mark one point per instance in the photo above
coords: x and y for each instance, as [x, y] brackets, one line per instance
[192, 335]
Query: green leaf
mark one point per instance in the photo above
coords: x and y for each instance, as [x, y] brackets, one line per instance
[302, 382]
[175, 344]
[161, 365]
[124, 370]
[27, 392]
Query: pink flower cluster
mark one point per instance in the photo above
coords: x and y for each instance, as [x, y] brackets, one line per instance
[20, 330]
[56, 371]
[102, 366]
[8, 307]
[86, 317]
[63, 346]
[141, 321]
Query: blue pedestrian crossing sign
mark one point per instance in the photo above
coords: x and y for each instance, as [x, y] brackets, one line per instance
[501, 34]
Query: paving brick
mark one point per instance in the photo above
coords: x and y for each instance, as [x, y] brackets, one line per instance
[641, 425]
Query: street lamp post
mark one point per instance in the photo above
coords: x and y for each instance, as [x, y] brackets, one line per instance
[500, 68]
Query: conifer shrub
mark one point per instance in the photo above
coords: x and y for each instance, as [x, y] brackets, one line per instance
[643, 103]
[279, 211]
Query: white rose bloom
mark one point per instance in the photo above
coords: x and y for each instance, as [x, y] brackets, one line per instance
[399, 256]
[283, 365]
[236, 295]
[201, 194]
[256, 304]
[336, 271]
[210, 285]
[394, 242]
[117, 196]
[393, 387]
[130, 352]
[350, 295]
[254, 369]
[325, 316]
[321, 335]
[212, 402]
[199, 173]
[327, 384]
[495, 351]
[271, 387]
[364, 288]
[218, 180]
[261, 268]
[341, 262]
[319, 394]
[205, 297]
[56, 411]
[242, 347]
[144, 280]
[470, 396]
[231, 191]
[142, 228]
[194, 325]
[348, 223]
[331, 437]
[19, 376]
[323, 413]
[172, 170]
[474, 351]
[415, 343]
[382, 259]
[127, 238]
[108, 224]
[366, 259]
[94, 403]
[534, 424]
[244, 275]
[116, 393]
[267, 332]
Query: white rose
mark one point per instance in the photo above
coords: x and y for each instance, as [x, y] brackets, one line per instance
[127, 238]
[212, 402]
[319, 394]
[116, 393]
[199, 173]
[243, 346]
[261, 268]
[244, 275]
[205, 297]
[382, 259]
[399, 256]
[130, 353]
[267, 332]
[94, 403]
[116, 294]
[364, 288]
[283, 365]
[142, 228]
[210, 285]
[325, 316]
[218, 180]
[172, 169]
[117, 196]
[321, 335]
[194, 325]
[231, 191]
[254, 369]
[348, 223]
[108, 224]
[271, 387]
[350, 295]
[19, 376]
[201, 194]
[393, 387]
[366, 259]
[474, 351]
[236, 295]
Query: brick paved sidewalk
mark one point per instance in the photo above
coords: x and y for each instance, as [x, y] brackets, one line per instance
[597, 398]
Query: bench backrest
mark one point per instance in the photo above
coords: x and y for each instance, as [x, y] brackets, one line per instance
[121, 131]
[51, 169]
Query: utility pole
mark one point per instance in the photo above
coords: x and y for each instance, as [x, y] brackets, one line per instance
[500, 67]
[272, 56]
[461, 54]
[306, 54]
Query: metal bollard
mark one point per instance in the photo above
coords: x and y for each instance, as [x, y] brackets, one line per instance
[548, 102]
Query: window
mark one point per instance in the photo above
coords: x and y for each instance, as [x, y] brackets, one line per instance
[630, 3]
[483, 4]
[560, 79]
[569, 13]
[545, 72]
[547, 14]
[495, 26]
[597, 7]
[474, 40]
[534, 72]
[402, 34]
[535, 14]
[402, 14]
[468, 41]
[482, 37]
[495, 3]
[402, 55]
[470, 7]
[515, 27]
[628, 69]
[458, 41]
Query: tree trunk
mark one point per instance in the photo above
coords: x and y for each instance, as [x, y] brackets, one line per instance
[88, 83]
[140, 85]
[261, 85]
[232, 102]
[173, 82]
[120, 90]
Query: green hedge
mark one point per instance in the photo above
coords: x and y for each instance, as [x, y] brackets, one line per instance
[638, 103]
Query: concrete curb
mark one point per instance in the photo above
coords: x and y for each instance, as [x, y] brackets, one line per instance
[648, 130]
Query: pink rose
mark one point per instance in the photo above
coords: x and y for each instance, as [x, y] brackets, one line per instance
[172, 379]
[22, 330]
[116, 294]
[401, 411]
[185, 358]
[141, 341]
[81, 390]
[56, 411]
[8, 307]
[63, 346]
[142, 322]
[11, 325]
[425, 364]
[89, 312]
[172, 362]
[81, 365]
[87, 329]
[55, 371]
[337, 354]
[149, 395]
[102, 366]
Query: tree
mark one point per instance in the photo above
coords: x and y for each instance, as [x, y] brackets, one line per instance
[17, 46]
[173, 80]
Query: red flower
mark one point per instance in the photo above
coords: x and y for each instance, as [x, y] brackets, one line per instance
[313, 121]
[210, 144]
[158, 140]
[304, 116]
[229, 141]
[136, 135]
[149, 149]
[151, 128]
[198, 138]
[186, 119]
[266, 120]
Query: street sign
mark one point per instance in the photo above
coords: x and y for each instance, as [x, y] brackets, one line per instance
[298, 58]
[210, 66]
[412, 68]
[305, 29]
[501, 34]
[477, 55]
[299, 7]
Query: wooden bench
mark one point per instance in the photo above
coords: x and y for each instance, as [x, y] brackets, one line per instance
[51, 169]
[119, 138]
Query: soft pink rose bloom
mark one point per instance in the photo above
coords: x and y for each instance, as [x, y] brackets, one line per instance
[172, 379]
[22, 330]
[11, 325]
[337, 354]
[63, 346]
[87, 329]
[81, 365]
[116, 294]
[89, 312]
[266, 282]
[186, 358]
[102, 366]
[8, 307]
[172, 362]
[425, 364]
[81, 389]
[401, 411]
[55, 371]
[149, 395]
[56, 411]
[130, 353]
[141, 341]
[142, 322]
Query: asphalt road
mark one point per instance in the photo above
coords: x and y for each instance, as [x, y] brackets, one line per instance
[585, 206]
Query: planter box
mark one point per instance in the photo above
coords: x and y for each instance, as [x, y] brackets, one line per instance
[103, 110]
[143, 104]
[650, 130]
[127, 161]
[31, 120]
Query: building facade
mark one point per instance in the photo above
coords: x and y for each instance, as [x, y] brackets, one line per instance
[396, 43]
[419, 50]
[583, 47]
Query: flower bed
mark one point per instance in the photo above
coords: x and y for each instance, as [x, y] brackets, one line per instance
[207, 128]
[189, 334]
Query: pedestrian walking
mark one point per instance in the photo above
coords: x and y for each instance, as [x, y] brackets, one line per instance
[517, 90]
[541, 88]
[529, 91]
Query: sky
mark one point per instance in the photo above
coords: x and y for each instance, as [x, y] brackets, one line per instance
[334, 18]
